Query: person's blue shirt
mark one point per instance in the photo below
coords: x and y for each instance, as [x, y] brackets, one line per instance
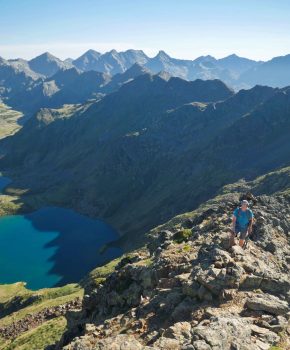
[243, 217]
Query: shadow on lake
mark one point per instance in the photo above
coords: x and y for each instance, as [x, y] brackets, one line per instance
[52, 246]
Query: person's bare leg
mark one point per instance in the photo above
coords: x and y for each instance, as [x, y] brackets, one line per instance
[241, 242]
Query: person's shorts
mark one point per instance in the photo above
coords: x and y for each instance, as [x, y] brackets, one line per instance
[242, 231]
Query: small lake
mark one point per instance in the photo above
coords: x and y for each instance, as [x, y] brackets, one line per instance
[52, 246]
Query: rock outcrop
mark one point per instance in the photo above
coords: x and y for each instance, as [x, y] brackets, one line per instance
[189, 290]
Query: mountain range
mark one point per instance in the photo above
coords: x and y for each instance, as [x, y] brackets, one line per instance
[162, 150]
[153, 148]
[235, 71]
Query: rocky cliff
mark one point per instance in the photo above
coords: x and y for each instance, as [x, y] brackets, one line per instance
[187, 289]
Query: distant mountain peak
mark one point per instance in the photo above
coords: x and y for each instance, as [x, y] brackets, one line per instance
[162, 54]
[113, 52]
[233, 55]
[207, 58]
[92, 52]
[47, 56]
[47, 64]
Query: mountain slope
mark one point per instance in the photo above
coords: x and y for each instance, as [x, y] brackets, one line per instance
[136, 153]
[9, 121]
[15, 77]
[272, 73]
[237, 65]
[67, 86]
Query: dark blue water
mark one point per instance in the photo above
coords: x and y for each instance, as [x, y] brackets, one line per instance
[52, 246]
[4, 181]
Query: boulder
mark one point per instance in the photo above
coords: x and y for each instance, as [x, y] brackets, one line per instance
[180, 331]
[120, 342]
[268, 303]
[265, 334]
[190, 288]
[164, 343]
[225, 333]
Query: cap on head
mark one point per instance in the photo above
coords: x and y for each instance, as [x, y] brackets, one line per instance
[245, 202]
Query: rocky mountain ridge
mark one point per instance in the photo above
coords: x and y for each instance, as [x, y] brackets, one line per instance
[188, 290]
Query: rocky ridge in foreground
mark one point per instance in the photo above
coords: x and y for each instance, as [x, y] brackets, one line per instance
[188, 290]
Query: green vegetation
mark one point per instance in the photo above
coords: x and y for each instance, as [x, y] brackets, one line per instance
[273, 182]
[18, 301]
[8, 291]
[186, 248]
[8, 121]
[38, 338]
[182, 236]
[33, 301]
[99, 274]
[9, 205]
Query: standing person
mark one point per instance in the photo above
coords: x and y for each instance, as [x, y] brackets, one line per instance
[242, 223]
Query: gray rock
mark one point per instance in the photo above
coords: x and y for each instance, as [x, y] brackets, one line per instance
[164, 343]
[251, 282]
[265, 334]
[204, 294]
[201, 345]
[268, 303]
[180, 331]
[225, 333]
[190, 288]
[182, 310]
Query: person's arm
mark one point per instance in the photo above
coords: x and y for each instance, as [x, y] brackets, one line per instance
[250, 227]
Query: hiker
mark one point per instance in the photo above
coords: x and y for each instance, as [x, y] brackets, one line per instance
[242, 223]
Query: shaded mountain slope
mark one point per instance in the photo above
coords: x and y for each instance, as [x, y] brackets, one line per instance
[70, 86]
[136, 153]
[15, 78]
[273, 73]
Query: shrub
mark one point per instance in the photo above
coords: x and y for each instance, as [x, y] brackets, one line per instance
[182, 236]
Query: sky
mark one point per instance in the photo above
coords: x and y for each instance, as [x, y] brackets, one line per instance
[257, 29]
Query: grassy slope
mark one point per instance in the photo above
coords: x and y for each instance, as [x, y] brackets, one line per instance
[49, 331]
[39, 337]
[8, 121]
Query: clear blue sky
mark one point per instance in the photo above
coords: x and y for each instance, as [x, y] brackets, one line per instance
[258, 29]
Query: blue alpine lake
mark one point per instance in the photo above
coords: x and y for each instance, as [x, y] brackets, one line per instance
[52, 246]
[4, 181]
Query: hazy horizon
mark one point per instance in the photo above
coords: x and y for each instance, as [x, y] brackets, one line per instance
[150, 55]
[186, 29]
